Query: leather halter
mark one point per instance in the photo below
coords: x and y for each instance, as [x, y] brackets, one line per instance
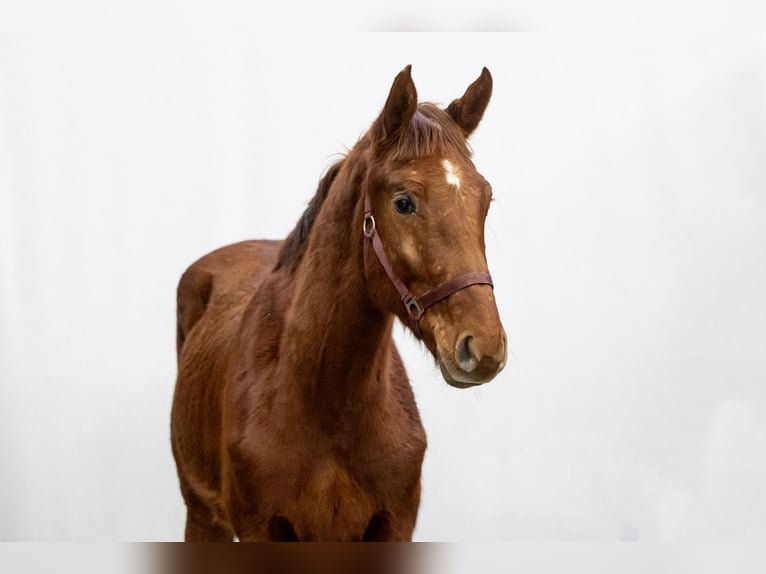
[415, 306]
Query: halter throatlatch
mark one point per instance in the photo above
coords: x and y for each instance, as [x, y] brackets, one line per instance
[415, 306]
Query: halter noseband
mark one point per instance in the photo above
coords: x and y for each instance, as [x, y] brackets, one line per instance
[415, 306]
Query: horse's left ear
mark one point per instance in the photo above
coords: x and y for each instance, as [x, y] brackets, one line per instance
[400, 106]
[468, 110]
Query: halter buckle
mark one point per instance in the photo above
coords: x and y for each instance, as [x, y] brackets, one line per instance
[414, 309]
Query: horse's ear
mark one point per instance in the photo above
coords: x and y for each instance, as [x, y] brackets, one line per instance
[468, 110]
[400, 106]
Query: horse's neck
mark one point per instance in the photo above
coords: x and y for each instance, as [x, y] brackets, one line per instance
[337, 343]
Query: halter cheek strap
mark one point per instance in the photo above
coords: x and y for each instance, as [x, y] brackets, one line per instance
[415, 306]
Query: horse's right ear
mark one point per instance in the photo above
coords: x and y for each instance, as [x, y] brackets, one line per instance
[468, 110]
[400, 106]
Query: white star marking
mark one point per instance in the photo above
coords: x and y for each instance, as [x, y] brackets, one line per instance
[451, 173]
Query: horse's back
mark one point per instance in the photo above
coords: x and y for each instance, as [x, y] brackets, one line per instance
[226, 277]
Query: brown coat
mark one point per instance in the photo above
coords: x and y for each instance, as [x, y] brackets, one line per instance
[293, 418]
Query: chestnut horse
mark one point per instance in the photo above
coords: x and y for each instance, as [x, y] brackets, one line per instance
[293, 418]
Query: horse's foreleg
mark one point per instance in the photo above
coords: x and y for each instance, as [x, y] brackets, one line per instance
[202, 527]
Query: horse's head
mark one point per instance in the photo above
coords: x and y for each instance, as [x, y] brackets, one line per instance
[427, 203]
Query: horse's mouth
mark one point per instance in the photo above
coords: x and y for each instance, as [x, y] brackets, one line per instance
[452, 382]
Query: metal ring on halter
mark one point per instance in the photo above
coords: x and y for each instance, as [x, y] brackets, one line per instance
[368, 226]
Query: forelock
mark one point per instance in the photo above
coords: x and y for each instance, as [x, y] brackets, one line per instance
[430, 131]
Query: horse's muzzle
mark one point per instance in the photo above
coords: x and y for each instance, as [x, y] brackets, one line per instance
[475, 361]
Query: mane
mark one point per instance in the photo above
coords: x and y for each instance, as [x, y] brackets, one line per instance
[431, 130]
[295, 245]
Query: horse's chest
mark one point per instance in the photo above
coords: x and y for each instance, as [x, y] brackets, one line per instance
[331, 502]
[315, 485]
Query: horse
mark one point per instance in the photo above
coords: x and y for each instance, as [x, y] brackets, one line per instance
[293, 418]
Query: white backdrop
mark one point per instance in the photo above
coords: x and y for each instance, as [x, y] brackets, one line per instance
[627, 243]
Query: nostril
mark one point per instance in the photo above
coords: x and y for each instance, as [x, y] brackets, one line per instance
[465, 356]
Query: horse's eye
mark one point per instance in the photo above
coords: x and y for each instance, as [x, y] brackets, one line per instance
[404, 205]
